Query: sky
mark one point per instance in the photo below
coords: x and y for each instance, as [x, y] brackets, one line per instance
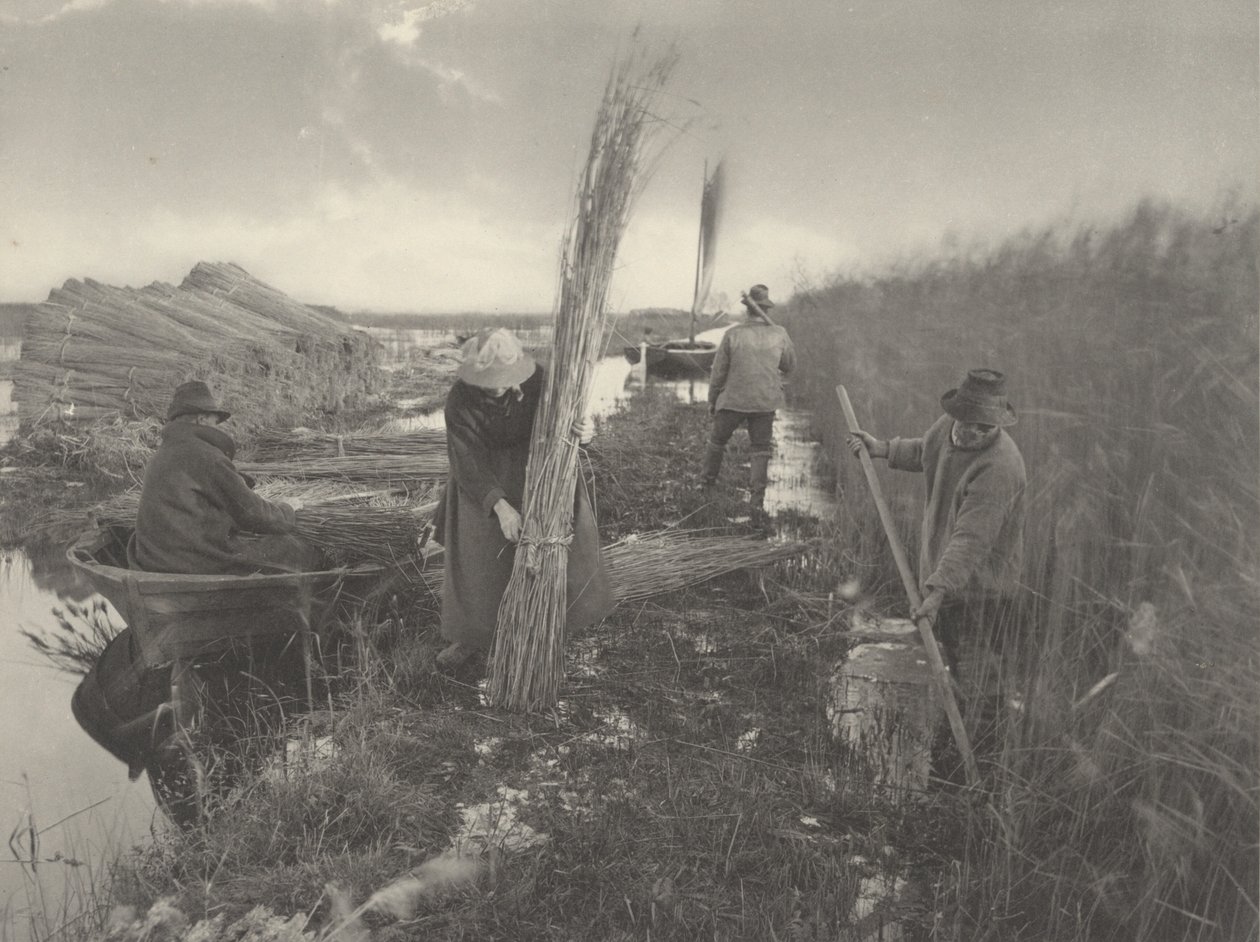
[399, 155]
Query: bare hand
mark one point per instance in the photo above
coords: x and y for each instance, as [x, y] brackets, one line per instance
[874, 447]
[584, 431]
[509, 521]
[930, 605]
[295, 503]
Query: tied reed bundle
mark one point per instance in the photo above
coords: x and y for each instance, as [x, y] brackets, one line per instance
[528, 657]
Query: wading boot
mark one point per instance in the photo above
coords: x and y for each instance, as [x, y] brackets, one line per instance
[712, 465]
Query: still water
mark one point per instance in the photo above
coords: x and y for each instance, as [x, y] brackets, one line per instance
[69, 797]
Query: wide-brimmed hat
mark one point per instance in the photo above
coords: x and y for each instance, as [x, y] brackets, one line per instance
[494, 359]
[981, 398]
[192, 398]
[760, 294]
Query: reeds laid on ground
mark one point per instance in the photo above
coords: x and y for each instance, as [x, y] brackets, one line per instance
[527, 660]
[649, 564]
[413, 470]
[295, 444]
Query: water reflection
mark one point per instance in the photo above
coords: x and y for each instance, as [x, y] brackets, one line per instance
[75, 795]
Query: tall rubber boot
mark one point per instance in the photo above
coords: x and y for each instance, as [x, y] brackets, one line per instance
[758, 477]
[712, 464]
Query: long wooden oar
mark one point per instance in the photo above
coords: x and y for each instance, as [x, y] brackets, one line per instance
[939, 671]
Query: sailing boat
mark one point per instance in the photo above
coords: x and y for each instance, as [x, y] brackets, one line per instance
[689, 355]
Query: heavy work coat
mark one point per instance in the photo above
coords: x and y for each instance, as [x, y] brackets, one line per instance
[197, 511]
[748, 369]
[487, 442]
[972, 543]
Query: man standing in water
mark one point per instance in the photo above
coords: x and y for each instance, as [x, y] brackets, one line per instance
[746, 388]
[972, 541]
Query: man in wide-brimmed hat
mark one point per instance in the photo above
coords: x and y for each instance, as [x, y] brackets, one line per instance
[746, 388]
[198, 514]
[972, 541]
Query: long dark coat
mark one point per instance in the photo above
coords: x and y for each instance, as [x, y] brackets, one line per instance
[487, 442]
[197, 512]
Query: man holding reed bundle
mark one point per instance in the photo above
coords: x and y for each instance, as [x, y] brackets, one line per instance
[972, 541]
[746, 388]
[198, 514]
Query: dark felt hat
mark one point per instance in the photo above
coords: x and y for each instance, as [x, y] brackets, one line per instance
[981, 398]
[192, 398]
[760, 294]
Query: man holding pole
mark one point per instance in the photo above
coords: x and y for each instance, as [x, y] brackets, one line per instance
[746, 387]
[972, 540]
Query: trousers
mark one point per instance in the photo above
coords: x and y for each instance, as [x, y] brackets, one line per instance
[760, 438]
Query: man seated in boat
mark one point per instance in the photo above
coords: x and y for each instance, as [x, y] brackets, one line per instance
[198, 513]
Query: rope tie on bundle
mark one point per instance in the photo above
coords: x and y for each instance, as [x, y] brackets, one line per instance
[531, 545]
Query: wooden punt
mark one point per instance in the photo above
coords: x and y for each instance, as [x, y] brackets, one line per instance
[676, 357]
[181, 617]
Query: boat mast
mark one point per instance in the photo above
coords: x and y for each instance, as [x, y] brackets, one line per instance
[695, 292]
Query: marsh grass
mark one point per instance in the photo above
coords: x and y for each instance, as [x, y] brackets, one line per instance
[1129, 811]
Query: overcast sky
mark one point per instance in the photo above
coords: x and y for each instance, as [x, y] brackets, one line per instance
[408, 155]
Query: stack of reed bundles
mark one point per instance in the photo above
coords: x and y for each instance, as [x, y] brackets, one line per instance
[94, 351]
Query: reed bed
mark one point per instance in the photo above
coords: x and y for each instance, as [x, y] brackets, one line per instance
[295, 444]
[527, 659]
[1129, 782]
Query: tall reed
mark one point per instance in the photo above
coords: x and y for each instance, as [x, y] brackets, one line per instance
[1128, 775]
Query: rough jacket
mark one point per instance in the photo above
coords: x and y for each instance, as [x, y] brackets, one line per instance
[749, 367]
[972, 541]
[195, 503]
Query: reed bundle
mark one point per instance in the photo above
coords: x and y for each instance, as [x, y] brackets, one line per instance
[645, 565]
[527, 659]
[291, 445]
[349, 526]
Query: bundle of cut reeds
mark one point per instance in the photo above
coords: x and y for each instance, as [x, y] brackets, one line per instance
[291, 445]
[527, 660]
[349, 526]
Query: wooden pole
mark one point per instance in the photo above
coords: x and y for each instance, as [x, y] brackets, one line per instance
[747, 299]
[939, 671]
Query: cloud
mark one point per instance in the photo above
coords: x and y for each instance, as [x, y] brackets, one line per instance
[404, 28]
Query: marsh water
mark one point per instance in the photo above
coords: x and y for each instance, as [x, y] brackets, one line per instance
[67, 802]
